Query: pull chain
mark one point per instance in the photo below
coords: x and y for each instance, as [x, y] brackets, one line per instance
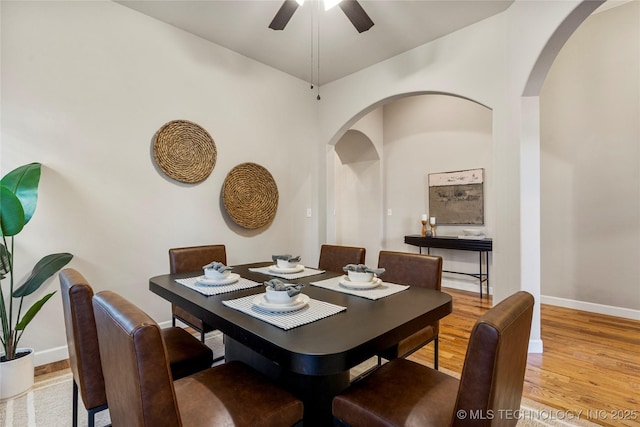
[311, 48]
[318, 54]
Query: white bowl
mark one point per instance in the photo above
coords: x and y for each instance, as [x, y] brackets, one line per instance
[357, 276]
[283, 263]
[472, 231]
[278, 297]
[214, 274]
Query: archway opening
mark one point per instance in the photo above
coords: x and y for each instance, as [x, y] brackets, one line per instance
[381, 167]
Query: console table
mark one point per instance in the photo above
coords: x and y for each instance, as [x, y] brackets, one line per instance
[482, 246]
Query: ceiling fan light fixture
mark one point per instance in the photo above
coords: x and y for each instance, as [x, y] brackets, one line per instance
[328, 4]
[351, 8]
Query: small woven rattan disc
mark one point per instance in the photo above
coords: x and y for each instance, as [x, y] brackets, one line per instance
[250, 195]
[184, 151]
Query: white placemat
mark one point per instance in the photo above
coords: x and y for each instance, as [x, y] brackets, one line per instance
[314, 310]
[384, 290]
[292, 276]
[242, 283]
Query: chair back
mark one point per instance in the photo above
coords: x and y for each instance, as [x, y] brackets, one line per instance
[333, 257]
[406, 268]
[493, 373]
[82, 338]
[135, 365]
[193, 258]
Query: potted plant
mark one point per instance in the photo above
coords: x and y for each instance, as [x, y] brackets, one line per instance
[18, 198]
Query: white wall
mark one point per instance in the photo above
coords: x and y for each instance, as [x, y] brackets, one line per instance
[590, 110]
[85, 85]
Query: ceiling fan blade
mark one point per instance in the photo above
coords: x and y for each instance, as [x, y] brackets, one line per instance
[284, 14]
[356, 15]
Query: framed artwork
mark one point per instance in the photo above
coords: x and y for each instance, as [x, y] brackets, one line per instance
[457, 197]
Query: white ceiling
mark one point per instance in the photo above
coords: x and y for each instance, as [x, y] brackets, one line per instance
[242, 26]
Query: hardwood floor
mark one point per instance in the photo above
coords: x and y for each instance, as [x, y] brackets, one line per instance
[51, 367]
[591, 362]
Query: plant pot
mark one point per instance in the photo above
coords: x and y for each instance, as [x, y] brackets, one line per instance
[16, 376]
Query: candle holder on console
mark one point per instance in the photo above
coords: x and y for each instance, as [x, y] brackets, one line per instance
[424, 225]
[432, 226]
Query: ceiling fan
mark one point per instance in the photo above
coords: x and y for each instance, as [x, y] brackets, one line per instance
[351, 8]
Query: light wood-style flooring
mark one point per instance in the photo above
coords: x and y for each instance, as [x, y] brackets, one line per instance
[590, 363]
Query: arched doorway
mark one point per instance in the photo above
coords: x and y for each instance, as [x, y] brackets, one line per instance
[381, 167]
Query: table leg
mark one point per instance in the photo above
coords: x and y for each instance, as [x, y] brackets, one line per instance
[480, 276]
[315, 391]
[486, 258]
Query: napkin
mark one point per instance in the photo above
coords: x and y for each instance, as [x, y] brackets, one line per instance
[279, 285]
[288, 257]
[218, 266]
[361, 268]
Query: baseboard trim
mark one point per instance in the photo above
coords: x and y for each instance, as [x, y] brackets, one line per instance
[463, 285]
[50, 356]
[609, 310]
[60, 353]
[591, 307]
[535, 346]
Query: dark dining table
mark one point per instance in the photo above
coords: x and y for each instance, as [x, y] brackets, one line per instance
[313, 360]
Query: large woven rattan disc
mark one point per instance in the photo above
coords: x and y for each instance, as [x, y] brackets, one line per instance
[250, 195]
[184, 151]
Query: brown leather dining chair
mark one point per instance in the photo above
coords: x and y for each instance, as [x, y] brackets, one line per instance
[187, 355]
[334, 257]
[489, 392]
[192, 258]
[139, 387]
[414, 270]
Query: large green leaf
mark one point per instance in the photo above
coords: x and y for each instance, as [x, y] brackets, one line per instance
[23, 182]
[31, 313]
[44, 269]
[11, 213]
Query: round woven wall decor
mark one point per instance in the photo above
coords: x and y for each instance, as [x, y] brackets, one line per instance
[250, 195]
[184, 151]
